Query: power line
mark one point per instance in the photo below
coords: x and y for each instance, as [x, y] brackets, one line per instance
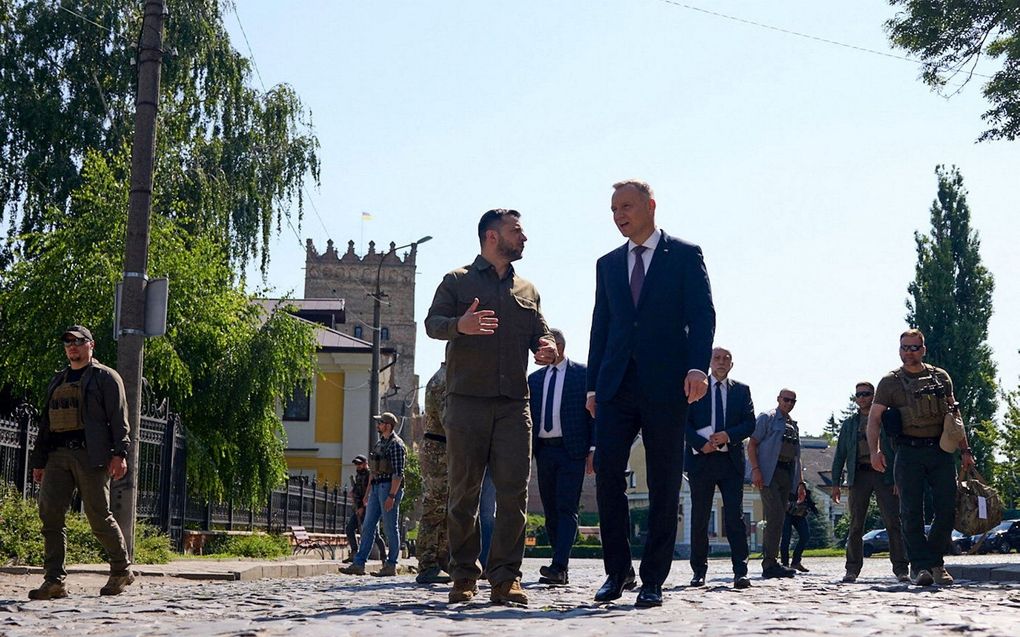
[806, 36]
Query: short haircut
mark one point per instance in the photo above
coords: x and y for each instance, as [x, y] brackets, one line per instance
[558, 336]
[492, 220]
[865, 383]
[724, 349]
[913, 332]
[642, 186]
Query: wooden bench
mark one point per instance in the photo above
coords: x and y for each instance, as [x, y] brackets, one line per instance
[303, 541]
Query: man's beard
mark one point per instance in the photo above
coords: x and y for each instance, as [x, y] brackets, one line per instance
[508, 251]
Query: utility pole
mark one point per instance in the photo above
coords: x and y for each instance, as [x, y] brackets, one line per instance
[124, 493]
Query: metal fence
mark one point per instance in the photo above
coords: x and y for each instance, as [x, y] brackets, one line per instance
[163, 498]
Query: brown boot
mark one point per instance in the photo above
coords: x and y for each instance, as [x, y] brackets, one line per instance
[117, 583]
[353, 569]
[508, 591]
[463, 590]
[388, 570]
[50, 589]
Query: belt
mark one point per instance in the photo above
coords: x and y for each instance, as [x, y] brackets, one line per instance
[73, 443]
[382, 480]
[911, 441]
[437, 437]
[551, 442]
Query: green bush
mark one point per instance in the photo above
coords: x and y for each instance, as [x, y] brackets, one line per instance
[20, 528]
[21, 539]
[258, 545]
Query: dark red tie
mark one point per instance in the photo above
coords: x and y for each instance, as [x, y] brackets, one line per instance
[637, 275]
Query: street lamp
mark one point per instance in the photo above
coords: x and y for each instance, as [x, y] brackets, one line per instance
[376, 329]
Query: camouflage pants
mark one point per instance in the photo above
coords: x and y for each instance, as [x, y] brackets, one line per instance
[432, 546]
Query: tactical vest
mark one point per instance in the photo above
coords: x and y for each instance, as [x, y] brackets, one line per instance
[863, 451]
[65, 408]
[922, 413]
[379, 458]
[791, 443]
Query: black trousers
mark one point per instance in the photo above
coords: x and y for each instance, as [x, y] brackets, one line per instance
[716, 470]
[660, 421]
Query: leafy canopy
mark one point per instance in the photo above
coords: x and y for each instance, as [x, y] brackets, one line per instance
[950, 36]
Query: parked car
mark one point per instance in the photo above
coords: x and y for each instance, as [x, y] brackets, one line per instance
[961, 543]
[876, 541]
[1004, 538]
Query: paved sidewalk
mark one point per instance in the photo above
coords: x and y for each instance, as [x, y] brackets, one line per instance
[334, 604]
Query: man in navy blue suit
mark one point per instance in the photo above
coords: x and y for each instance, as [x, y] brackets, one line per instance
[716, 428]
[651, 340]
[562, 434]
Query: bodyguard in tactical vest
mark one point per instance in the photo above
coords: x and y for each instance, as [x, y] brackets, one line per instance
[386, 463]
[923, 395]
[83, 442]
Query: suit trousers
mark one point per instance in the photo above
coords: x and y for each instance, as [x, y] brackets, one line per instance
[717, 470]
[660, 421]
[494, 433]
[865, 483]
[66, 470]
[775, 498]
[793, 523]
[560, 479]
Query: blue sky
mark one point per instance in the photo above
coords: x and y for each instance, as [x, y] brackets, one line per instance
[801, 167]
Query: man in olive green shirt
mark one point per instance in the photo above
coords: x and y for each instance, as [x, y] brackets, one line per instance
[492, 318]
[852, 452]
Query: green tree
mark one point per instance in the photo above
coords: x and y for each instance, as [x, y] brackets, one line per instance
[224, 363]
[834, 424]
[950, 37]
[951, 302]
[1007, 472]
[230, 158]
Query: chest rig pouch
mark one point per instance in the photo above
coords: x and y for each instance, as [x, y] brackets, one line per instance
[863, 451]
[925, 408]
[380, 457]
[790, 444]
[65, 408]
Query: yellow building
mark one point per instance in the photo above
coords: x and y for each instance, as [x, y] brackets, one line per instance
[329, 425]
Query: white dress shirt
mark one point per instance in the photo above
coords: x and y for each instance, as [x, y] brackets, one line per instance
[556, 394]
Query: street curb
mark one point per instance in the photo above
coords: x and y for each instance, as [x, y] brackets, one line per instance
[985, 572]
[247, 574]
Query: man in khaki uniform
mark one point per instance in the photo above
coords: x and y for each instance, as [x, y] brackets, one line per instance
[491, 318]
[923, 394]
[83, 442]
[432, 547]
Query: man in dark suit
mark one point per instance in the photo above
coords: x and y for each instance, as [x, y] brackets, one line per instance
[716, 428]
[562, 441]
[651, 339]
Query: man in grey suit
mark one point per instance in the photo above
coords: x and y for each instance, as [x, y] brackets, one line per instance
[716, 428]
[562, 441]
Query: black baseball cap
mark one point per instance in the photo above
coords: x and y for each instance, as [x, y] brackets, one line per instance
[358, 459]
[77, 331]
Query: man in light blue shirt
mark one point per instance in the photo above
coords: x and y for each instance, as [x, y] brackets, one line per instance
[773, 452]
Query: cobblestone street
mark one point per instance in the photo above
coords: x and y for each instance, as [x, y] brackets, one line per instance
[811, 603]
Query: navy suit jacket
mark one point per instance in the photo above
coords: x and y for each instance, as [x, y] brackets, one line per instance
[739, 424]
[576, 422]
[667, 334]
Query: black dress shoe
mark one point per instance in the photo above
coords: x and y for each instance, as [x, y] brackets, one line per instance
[776, 570]
[614, 587]
[650, 595]
[553, 575]
[741, 582]
[698, 580]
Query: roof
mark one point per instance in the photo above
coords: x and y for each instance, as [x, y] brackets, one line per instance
[328, 339]
[335, 305]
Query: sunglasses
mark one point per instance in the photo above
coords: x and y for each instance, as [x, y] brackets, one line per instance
[864, 394]
[788, 400]
[911, 348]
[75, 341]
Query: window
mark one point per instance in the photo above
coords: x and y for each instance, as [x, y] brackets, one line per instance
[297, 407]
[384, 334]
[357, 331]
